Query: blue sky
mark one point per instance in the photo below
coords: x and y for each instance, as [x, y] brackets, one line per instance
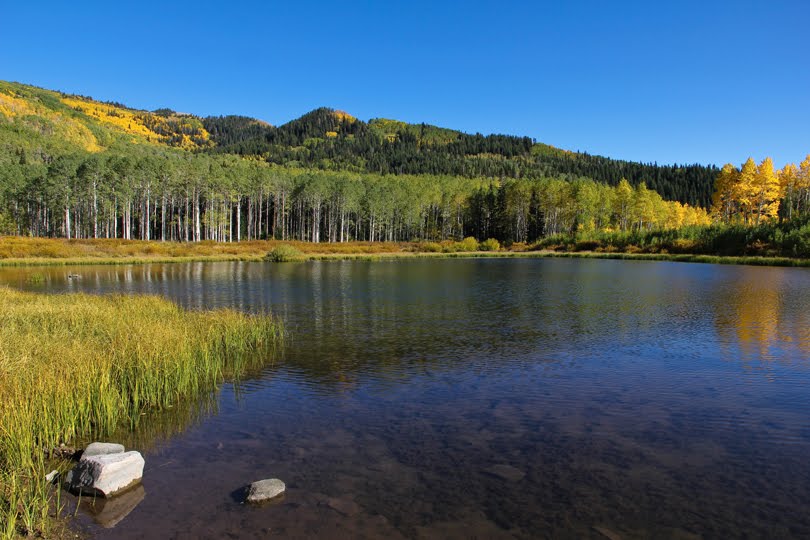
[680, 81]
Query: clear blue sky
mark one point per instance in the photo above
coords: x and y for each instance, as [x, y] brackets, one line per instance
[680, 81]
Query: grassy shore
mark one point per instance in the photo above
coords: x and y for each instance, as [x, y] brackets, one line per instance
[19, 251]
[78, 366]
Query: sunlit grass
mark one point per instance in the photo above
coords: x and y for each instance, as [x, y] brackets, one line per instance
[75, 366]
[24, 251]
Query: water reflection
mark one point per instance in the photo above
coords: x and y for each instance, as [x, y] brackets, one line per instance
[411, 309]
[510, 398]
[110, 512]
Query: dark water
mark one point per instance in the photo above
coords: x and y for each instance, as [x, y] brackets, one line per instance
[486, 399]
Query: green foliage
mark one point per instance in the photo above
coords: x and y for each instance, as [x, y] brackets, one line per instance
[467, 245]
[7, 224]
[790, 238]
[327, 139]
[283, 253]
[490, 244]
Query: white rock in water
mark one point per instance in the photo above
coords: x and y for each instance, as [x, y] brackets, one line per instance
[265, 489]
[107, 474]
[102, 448]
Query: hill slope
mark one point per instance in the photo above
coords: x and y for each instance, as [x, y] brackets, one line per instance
[41, 124]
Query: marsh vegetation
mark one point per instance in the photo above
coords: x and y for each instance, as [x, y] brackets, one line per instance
[76, 366]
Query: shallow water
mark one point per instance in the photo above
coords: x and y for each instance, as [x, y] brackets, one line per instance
[485, 398]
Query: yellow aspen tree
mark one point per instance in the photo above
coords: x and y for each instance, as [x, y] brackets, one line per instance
[643, 207]
[623, 204]
[767, 191]
[724, 203]
[676, 216]
[803, 182]
[745, 189]
[788, 178]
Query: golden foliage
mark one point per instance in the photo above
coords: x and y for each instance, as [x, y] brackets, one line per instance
[343, 116]
[178, 130]
[26, 111]
[752, 193]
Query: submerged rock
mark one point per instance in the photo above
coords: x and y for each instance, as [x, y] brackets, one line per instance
[106, 474]
[264, 490]
[102, 448]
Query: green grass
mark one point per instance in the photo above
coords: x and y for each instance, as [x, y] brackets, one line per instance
[79, 366]
[283, 253]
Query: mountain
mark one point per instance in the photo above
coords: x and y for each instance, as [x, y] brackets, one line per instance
[41, 124]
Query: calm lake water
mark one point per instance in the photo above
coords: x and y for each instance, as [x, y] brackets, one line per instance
[491, 398]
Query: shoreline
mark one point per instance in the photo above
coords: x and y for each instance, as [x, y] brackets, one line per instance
[746, 260]
[75, 370]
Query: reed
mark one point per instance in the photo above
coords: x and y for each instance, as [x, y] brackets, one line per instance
[79, 366]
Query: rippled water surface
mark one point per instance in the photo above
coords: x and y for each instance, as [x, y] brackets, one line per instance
[485, 398]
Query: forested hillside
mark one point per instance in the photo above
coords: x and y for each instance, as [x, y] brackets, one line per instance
[328, 139]
[74, 167]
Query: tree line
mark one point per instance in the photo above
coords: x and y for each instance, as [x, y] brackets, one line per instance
[754, 193]
[151, 194]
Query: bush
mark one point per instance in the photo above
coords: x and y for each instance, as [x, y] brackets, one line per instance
[283, 253]
[468, 244]
[430, 247]
[490, 244]
[586, 245]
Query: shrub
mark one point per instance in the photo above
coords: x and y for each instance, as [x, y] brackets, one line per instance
[490, 244]
[468, 244]
[283, 253]
[586, 245]
[430, 247]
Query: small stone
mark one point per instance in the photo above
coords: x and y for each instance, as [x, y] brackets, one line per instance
[264, 490]
[51, 476]
[506, 472]
[102, 449]
[107, 474]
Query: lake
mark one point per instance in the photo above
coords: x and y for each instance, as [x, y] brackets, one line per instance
[486, 398]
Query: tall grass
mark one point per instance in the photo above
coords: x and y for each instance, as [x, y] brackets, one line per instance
[78, 366]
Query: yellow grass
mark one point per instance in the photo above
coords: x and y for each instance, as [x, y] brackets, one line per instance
[26, 251]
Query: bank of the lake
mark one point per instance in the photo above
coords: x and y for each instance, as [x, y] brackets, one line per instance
[74, 366]
[19, 251]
